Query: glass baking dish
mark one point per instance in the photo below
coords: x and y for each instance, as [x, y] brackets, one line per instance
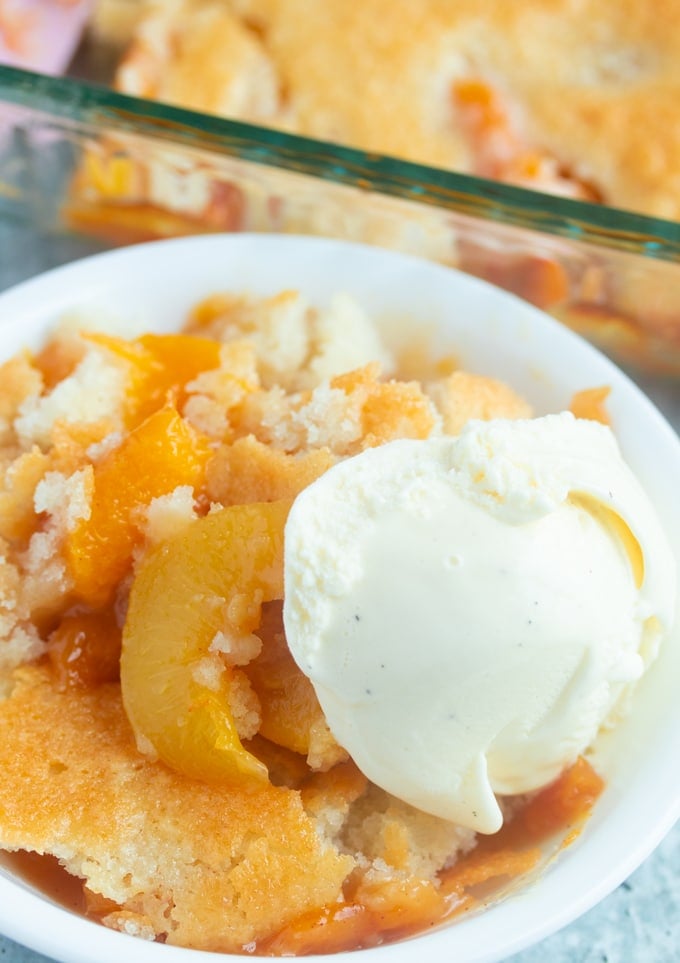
[96, 169]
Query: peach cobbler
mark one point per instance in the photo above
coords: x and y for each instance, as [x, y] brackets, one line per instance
[192, 785]
[574, 99]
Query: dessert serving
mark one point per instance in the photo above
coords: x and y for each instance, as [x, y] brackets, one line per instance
[310, 631]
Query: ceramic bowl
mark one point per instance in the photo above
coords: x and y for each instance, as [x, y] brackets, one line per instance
[491, 333]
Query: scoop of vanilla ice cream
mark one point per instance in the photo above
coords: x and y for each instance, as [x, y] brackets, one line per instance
[470, 610]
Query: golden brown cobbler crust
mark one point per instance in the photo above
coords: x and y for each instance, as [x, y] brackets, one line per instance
[183, 858]
[164, 856]
[593, 83]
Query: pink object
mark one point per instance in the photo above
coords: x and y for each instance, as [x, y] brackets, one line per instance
[41, 35]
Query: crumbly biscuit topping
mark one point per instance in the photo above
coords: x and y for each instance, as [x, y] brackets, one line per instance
[101, 481]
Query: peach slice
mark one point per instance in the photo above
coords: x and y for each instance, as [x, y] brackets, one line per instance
[161, 365]
[290, 708]
[84, 649]
[211, 577]
[160, 454]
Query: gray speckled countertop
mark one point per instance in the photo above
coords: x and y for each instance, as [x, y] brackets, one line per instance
[640, 921]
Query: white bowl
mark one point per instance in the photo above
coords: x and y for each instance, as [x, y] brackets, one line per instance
[491, 333]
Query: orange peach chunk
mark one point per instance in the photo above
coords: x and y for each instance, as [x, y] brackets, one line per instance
[161, 365]
[211, 577]
[160, 454]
